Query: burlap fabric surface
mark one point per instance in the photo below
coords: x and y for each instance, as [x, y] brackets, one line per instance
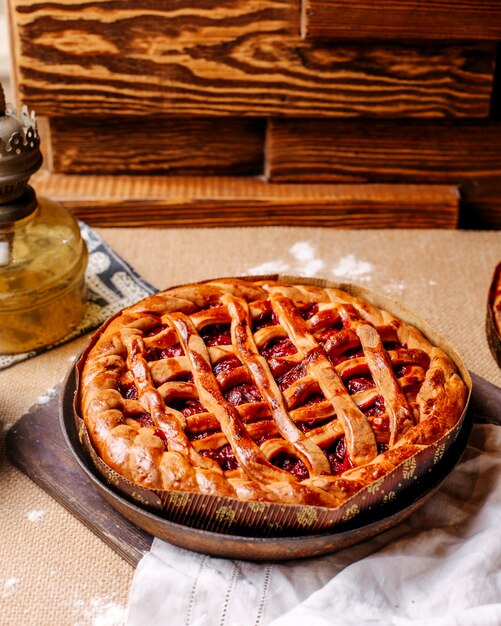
[52, 569]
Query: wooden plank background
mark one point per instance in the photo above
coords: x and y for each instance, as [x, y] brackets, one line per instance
[222, 201]
[450, 20]
[383, 151]
[155, 145]
[239, 57]
[380, 117]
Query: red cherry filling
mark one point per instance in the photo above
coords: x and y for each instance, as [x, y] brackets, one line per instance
[353, 353]
[338, 457]
[226, 365]
[311, 424]
[216, 335]
[144, 419]
[188, 407]
[224, 456]
[128, 391]
[278, 347]
[292, 465]
[381, 447]
[309, 311]
[314, 399]
[155, 354]
[161, 434]
[286, 380]
[182, 377]
[331, 332]
[267, 318]
[357, 385]
[394, 345]
[375, 409]
[243, 394]
[402, 370]
[155, 330]
[279, 367]
[193, 436]
[174, 350]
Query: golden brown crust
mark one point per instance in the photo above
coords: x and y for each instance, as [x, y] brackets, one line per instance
[343, 358]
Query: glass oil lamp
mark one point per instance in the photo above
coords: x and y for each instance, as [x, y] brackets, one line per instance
[42, 254]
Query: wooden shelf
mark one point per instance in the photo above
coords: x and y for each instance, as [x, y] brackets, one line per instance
[226, 201]
[452, 20]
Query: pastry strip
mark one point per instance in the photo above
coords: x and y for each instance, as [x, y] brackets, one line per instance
[313, 457]
[248, 454]
[360, 439]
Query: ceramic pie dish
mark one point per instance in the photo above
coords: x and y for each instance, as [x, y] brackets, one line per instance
[270, 406]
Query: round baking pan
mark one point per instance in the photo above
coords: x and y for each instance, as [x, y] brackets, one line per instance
[259, 548]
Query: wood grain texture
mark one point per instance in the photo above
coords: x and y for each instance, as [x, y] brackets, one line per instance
[402, 19]
[239, 57]
[157, 145]
[35, 444]
[222, 201]
[360, 151]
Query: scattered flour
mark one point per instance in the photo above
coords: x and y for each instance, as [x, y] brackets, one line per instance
[395, 287]
[304, 262]
[9, 587]
[350, 267]
[100, 612]
[307, 262]
[36, 515]
[432, 283]
[269, 267]
[46, 397]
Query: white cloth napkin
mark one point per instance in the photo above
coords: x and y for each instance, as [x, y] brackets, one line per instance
[441, 567]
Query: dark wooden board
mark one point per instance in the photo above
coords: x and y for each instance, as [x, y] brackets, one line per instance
[402, 19]
[231, 201]
[234, 57]
[466, 153]
[365, 151]
[158, 145]
[36, 445]
[480, 210]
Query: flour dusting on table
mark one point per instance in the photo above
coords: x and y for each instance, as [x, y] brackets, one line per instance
[395, 287]
[9, 587]
[36, 515]
[307, 262]
[351, 267]
[269, 267]
[46, 397]
[304, 262]
[100, 612]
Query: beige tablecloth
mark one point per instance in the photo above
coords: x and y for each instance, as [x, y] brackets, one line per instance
[55, 571]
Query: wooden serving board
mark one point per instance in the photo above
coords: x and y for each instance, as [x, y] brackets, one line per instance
[36, 445]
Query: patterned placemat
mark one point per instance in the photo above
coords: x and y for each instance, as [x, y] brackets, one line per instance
[112, 284]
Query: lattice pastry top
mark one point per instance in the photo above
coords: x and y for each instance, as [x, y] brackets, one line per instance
[264, 391]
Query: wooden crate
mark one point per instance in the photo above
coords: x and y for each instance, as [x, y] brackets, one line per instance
[335, 114]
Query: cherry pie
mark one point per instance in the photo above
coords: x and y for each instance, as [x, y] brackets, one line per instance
[496, 299]
[493, 325]
[263, 391]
